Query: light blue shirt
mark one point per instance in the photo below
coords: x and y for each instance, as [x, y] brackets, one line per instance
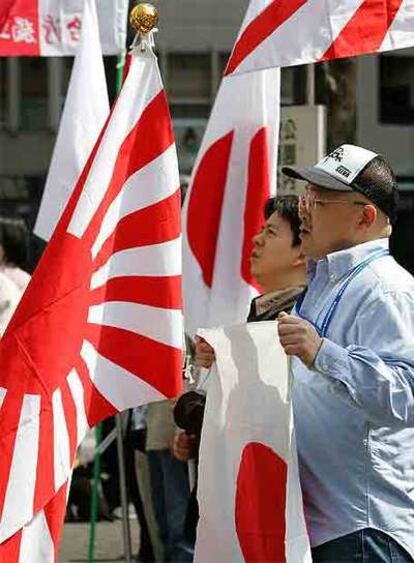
[354, 409]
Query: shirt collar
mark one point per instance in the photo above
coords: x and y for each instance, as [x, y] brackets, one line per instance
[341, 262]
[276, 299]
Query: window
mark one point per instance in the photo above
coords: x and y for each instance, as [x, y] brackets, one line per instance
[111, 73]
[188, 136]
[34, 93]
[293, 86]
[189, 110]
[402, 238]
[67, 65]
[223, 60]
[189, 76]
[396, 90]
[189, 84]
[3, 89]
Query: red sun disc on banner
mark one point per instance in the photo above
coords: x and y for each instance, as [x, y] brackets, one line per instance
[260, 511]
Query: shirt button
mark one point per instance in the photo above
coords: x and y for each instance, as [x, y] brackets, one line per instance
[332, 278]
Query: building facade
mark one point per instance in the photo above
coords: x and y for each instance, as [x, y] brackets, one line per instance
[385, 103]
[193, 43]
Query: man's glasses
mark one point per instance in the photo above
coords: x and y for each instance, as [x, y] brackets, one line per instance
[308, 202]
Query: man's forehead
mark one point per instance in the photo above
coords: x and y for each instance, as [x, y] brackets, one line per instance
[277, 221]
[326, 193]
[274, 219]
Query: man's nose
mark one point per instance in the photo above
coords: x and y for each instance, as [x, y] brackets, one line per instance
[258, 239]
[303, 213]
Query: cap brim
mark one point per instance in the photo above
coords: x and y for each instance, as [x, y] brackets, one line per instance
[316, 177]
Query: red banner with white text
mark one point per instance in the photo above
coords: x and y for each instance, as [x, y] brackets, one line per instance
[53, 28]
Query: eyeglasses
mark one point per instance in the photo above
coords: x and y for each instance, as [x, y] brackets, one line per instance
[308, 202]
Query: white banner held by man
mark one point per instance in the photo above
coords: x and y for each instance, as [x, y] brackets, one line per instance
[249, 493]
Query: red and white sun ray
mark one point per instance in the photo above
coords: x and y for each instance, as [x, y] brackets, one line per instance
[293, 32]
[99, 329]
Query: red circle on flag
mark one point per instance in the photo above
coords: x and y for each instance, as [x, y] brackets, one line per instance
[261, 504]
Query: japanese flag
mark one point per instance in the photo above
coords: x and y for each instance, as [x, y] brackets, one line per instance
[249, 492]
[233, 177]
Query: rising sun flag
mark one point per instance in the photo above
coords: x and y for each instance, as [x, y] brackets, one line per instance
[294, 32]
[99, 329]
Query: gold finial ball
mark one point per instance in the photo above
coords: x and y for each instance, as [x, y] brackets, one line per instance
[143, 17]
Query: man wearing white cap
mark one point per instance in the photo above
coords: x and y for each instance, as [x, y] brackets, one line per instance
[351, 336]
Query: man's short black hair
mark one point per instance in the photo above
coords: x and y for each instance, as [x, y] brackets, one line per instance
[377, 182]
[14, 240]
[288, 208]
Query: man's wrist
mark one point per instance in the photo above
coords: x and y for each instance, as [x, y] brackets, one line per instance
[331, 359]
[315, 357]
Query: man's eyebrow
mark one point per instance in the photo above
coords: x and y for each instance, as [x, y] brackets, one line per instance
[272, 226]
[324, 196]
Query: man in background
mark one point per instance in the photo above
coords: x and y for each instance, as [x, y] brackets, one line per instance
[278, 265]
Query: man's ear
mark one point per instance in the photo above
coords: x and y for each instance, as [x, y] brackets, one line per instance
[368, 216]
[299, 260]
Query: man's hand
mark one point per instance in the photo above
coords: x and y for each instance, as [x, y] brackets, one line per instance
[204, 356]
[299, 338]
[184, 445]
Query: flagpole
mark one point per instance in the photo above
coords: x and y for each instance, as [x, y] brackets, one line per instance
[94, 497]
[126, 531]
[120, 65]
[98, 430]
[143, 18]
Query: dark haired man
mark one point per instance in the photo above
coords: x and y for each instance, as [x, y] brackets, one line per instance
[276, 262]
[352, 338]
[278, 266]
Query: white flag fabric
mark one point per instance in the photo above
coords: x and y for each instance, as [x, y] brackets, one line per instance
[234, 175]
[85, 112]
[249, 493]
[52, 28]
[293, 32]
[38, 541]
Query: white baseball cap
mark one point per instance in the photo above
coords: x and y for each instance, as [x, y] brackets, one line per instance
[341, 171]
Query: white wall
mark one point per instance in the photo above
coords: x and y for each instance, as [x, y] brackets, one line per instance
[25, 153]
[199, 25]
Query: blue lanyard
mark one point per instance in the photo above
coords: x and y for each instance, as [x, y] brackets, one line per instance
[323, 329]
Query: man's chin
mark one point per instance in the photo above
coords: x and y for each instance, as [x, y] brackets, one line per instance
[304, 237]
[254, 271]
[306, 244]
